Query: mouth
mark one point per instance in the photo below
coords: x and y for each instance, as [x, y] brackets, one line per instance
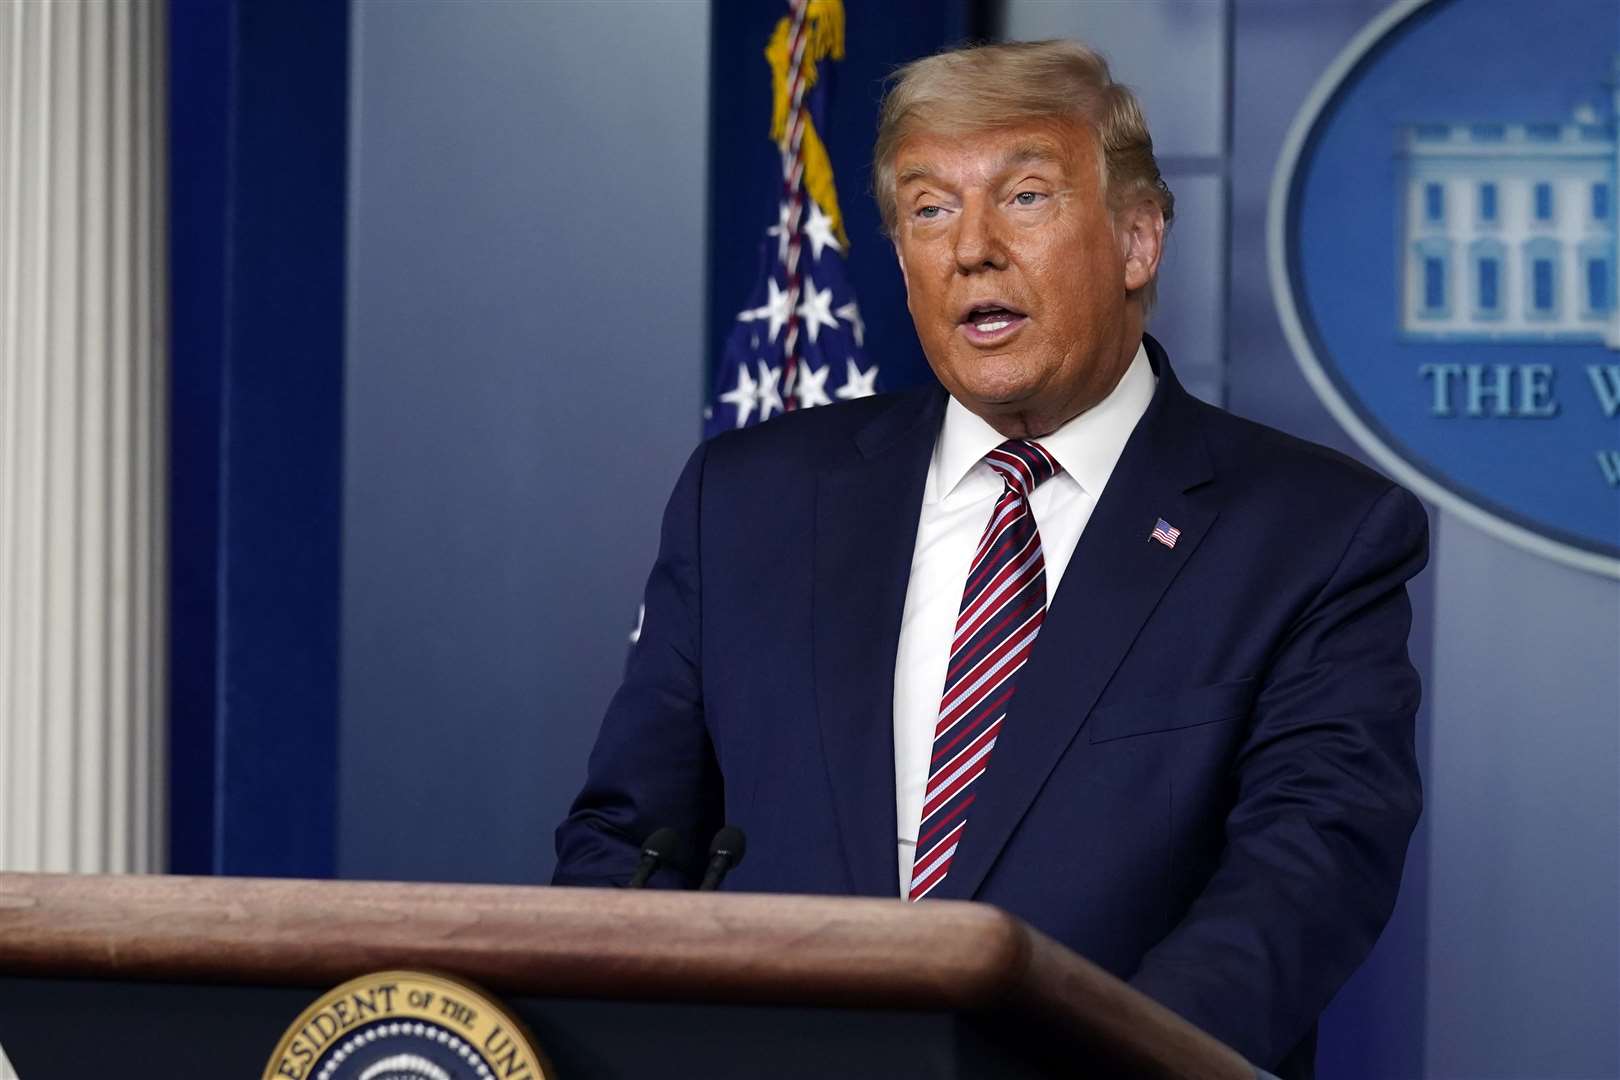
[991, 322]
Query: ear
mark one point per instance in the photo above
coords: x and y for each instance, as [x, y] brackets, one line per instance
[901, 259]
[1141, 241]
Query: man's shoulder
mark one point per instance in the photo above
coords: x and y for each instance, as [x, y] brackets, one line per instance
[829, 435]
[1294, 514]
[1286, 484]
[1264, 455]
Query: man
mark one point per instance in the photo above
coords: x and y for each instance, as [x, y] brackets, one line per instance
[1066, 640]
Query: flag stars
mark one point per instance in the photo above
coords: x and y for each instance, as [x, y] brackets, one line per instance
[783, 230]
[857, 384]
[769, 395]
[743, 396]
[776, 309]
[816, 309]
[818, 229]
[851, 313]
[772, 365]
[812, 388]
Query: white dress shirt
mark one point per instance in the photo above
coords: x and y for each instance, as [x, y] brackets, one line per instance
[957, 500]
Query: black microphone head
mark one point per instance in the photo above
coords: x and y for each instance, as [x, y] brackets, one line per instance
[730, 842]
[665, 845]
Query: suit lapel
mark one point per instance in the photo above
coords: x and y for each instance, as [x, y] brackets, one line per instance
[866, 529]
[1110, 588]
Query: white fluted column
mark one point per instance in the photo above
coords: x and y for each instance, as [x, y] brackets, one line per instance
[83, 394]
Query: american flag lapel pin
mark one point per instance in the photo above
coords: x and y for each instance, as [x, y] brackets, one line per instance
[1165, 533]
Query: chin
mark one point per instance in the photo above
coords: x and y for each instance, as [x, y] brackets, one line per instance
[1000, 405]
[1001, 396]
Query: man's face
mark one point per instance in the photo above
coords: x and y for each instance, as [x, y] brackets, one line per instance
[1016, 274]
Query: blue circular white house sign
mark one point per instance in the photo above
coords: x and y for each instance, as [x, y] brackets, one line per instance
[1443, 234]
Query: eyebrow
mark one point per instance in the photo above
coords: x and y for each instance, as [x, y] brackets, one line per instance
[1030, 151]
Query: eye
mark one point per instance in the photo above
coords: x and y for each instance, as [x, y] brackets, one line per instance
[929, 213]
[1028, 198]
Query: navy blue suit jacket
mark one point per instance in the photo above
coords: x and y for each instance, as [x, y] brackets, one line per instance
[1206, 782]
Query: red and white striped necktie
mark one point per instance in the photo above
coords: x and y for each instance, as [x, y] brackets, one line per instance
[1003, 606]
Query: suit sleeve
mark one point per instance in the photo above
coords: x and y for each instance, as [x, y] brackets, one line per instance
[653, 764]
[1327, 798]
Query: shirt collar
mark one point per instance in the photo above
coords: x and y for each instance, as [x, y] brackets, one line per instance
[1087, 447]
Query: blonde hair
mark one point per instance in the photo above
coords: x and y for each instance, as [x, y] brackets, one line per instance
[985, 87]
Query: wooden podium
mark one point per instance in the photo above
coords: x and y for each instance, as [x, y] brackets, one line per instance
[139, 977]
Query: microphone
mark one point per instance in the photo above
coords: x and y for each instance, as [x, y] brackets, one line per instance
[725, 852]
[663, 846]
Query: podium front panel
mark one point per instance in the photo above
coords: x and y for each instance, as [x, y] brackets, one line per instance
[70, 1029]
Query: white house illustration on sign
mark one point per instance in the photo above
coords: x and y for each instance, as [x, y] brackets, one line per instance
[1511, 228]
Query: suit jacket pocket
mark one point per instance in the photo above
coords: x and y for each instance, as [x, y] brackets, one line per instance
[1169, 712]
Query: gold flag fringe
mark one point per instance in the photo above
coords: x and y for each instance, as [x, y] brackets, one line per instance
[824, 27]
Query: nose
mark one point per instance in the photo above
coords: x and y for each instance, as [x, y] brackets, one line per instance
[978, 238]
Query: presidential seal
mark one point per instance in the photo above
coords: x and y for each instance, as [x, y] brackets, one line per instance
[406, 1025]
[1443, 257]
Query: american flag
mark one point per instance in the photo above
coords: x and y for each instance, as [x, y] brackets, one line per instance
[800, 341]
[1165, 533]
